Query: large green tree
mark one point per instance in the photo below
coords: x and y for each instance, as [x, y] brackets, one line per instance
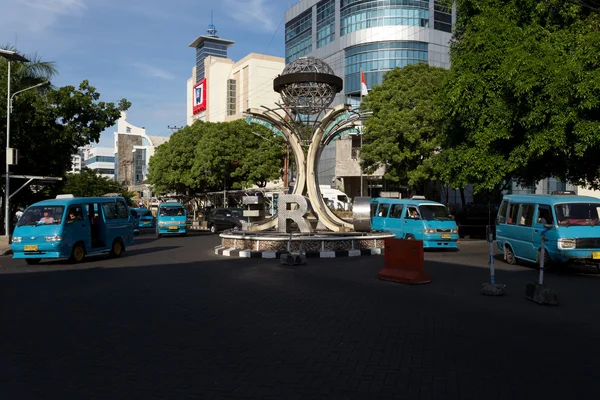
[403, 133]
[209, 156]
[48, 125]
[523, 96]
[88, 184]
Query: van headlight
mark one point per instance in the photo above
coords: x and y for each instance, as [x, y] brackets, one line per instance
[16, 239]
[428, 230]
[455, 230]
[53, 238]
[566, 243]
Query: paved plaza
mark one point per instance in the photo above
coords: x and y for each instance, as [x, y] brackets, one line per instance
[171, 320]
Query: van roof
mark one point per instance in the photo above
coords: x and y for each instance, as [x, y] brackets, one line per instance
[170, 205]
[392, 200]
[551, 198]
[76, 200]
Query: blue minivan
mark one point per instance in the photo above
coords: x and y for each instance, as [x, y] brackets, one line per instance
[73, 227]
[415, 219]
[171, 219]
[146, 217]
[569, 223]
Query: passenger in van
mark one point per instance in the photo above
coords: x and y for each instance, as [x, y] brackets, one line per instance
[414, 214]
[544, 217]
[46, 219]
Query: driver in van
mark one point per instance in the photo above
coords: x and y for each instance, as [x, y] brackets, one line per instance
[46, 219]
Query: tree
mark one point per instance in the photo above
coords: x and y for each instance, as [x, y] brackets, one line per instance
[89, 184]
[523, 96]
[403, 133]
[210, 156]
[49, 125]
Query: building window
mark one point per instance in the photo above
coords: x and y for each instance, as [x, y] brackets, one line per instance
[375, 59]
[442, 17]
[325, 22]
[231, 96]
[298, 36]
[96, 159]
[362, 14]
[206, 49]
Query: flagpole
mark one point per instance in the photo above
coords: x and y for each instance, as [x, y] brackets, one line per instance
[361, 132]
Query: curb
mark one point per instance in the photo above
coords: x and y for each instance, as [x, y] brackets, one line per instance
[230, 252]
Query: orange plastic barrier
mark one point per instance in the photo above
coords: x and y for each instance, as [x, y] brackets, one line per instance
[404, 262]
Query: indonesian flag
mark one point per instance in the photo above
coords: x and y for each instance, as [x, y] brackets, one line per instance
[363, 84]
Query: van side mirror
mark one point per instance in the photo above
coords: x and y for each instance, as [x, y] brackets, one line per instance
[501, 220]
[452, 217]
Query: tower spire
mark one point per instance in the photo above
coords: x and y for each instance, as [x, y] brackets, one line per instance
[212, 30]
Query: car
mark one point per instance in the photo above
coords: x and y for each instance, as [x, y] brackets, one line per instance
[220, 219]
[135, 220]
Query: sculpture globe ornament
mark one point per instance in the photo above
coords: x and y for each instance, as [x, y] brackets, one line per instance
[307, 85]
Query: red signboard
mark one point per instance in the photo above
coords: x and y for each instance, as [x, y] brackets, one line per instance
[199, 96]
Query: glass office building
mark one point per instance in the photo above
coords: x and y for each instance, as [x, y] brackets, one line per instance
[373, 36]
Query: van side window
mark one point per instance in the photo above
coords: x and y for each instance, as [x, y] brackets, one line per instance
[121, 209]
[513, 212]
[544, 215]
[503, 208]
[396, 211]
[383, 210]
[374, 208]
[526, 218]
[110, 210]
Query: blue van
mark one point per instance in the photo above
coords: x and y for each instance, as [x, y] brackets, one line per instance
[73, 227]
[171, 219]
[570, 224]
[146, 218]
[415, 219]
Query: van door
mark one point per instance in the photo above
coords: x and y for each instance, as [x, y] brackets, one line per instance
[394, 222]
[76, 227]
[543, 216]
[523, 245]
[413, 224]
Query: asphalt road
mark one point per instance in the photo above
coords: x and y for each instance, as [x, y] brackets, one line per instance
[172, 320]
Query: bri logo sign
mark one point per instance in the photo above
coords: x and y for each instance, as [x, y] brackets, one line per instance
[199, 97]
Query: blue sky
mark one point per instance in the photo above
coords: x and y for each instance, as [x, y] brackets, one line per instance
[138, 49]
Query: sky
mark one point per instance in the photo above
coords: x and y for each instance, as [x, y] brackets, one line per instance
[137, 49]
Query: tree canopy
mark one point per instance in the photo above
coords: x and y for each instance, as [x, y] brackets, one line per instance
[49, 124]
[403, 132]
[89, 184]
[523, 96]
[210, 156]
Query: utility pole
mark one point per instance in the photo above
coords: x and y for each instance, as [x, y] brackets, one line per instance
[174, 128]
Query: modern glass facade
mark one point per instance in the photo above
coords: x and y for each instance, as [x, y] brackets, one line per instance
[325, 22]
[442, 17]
[96, 159]
[363, 14]
[298, 37]
[206, 49]
[375, 59]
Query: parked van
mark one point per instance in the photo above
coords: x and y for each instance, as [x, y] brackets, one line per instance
[171, 219]
[335, 198]
[73, 227]
[570, 224]
[415, 219]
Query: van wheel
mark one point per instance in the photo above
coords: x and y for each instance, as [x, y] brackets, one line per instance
[117, 248]
[77, 254]
[509, 256]
[409, 237]
[33, 261]
[213, 229]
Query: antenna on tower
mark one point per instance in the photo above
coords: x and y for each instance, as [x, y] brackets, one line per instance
[212, 30]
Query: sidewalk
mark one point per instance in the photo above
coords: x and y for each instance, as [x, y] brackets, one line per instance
[4, 246]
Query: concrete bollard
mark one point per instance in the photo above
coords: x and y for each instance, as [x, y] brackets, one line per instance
[292, 259]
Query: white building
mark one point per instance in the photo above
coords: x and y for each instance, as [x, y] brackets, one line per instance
[76, 163]
[220, 89]
[132, 150]
[101, 160]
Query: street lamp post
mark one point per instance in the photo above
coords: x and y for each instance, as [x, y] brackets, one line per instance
[10, 57]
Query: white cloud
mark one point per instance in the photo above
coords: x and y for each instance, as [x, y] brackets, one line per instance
[154, 72]
[253, 13]
[38, 15]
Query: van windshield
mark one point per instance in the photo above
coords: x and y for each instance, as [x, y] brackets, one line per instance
[172, 211]
[42, 215]
[145, 213]
[577, 213]
[431, 212]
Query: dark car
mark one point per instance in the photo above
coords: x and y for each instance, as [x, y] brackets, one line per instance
[220, 219]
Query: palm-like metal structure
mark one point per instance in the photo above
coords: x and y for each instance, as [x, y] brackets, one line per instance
[308, 87]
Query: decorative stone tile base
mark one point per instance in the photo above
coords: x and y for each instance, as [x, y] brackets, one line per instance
[230, 252]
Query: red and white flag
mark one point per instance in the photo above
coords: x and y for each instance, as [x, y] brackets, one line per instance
[363, 84]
